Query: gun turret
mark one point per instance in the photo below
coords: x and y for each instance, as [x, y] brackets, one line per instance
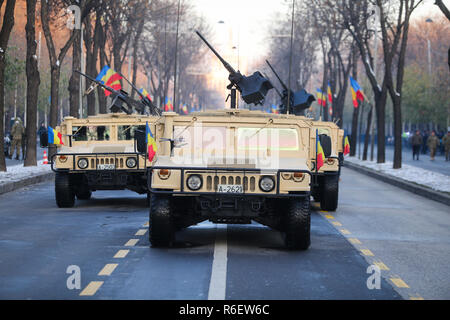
[122, 102]
[299, 101]
[253, 89]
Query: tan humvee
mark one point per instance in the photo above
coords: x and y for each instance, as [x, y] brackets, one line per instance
[101, 153]
[325, 186]
[232, 166]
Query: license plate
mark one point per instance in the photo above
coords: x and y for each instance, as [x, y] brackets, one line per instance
[106, 167]
[230, 188]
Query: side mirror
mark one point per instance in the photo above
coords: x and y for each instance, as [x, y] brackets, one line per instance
[43, 139]
[139, 138]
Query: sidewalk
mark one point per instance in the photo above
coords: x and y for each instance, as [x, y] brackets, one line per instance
[439, 165]
[427, 183]
[18, 176]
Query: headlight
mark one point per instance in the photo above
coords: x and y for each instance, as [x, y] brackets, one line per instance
[83, 163]
[131, 162]
[267, 184]
[194, 182]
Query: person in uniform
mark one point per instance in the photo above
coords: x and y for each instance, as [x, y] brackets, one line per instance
[446, 143]
[432, 143]
[416, 142]
[17, 132]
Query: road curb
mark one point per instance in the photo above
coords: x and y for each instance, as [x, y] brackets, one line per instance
[12, 186]
[408, 186]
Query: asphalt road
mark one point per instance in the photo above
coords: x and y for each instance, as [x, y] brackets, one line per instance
[107, 239]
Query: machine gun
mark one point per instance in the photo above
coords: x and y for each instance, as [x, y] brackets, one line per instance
[253, 88]
[122, 102]
[299, 101]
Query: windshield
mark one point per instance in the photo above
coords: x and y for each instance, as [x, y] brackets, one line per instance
[91, 133]
[128, 132]
[240, 139]
[282, 139]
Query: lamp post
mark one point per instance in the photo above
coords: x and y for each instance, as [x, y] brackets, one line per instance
[429, 68]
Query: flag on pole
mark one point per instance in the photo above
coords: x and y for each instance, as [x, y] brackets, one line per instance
[320, 97]
[145, 94]
[330, 95]
[346, 146]
[168, 105]
[151, 143]
[184, 108]
[109, 78]
[54, 137]
[320, 159]
[356, 92]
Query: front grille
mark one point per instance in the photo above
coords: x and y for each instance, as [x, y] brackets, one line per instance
[212, 181]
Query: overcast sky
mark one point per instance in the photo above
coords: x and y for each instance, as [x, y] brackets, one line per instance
[251, 20]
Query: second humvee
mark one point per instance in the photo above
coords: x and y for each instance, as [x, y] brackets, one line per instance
[103, 152]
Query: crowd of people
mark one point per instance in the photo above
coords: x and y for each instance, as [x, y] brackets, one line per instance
[432, 142]
[15, 141]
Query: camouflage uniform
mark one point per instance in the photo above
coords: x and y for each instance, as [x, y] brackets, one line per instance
[17, 132]
[432, 143]
[446, 143]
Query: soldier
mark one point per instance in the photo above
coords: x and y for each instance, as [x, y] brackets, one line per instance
[432, 143]
[416, 142]
[17, 132]
[446, 143]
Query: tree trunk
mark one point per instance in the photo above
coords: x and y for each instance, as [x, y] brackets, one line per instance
[367, 136]
[74, 82]
[8, 23]
[33, 82]
[397, 105]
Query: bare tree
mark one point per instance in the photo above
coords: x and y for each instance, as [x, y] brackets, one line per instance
[7, 25]
[33, 81]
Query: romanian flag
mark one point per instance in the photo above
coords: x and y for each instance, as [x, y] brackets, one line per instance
[145, 94]
[275, 109]
[356, 92]
[54, 137]
[320, 155]
[321, 98]
[184, 108]
[346, 146]
[330, 94]
[168, 105]
[151, 143]
[110, 78]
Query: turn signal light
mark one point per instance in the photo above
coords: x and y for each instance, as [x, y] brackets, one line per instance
[62, 159]
[298, 176]
[164, 173]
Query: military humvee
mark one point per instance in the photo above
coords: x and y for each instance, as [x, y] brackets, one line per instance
[104, 152]
[232, 166]
[325, 187]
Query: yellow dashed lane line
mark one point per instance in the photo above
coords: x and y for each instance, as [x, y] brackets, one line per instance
[121, 254]
[91, 288]
[399, 283]
[108, 269]
[131, 242]
[141, 232]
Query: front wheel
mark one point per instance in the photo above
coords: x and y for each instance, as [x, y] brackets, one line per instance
[330, 193]
[64, 193]
[161, 226]
[298, 224]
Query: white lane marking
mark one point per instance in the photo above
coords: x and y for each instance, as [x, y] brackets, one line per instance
[218, 283]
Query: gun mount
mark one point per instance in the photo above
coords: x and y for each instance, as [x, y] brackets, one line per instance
[299, 101]
[121, 101]
[253, 88]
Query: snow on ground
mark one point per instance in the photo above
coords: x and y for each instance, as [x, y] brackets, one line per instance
[426, 178]
[19, 172]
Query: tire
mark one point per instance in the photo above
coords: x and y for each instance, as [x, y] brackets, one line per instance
[64, 193]
[330, 193]
[161, 226]
[298, 225]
